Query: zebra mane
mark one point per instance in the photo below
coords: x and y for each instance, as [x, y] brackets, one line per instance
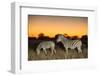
[63, 38]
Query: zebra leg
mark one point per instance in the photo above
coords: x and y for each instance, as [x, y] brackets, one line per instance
[52, 50]
[45, 51]
[38, 52]
[80, 53]
[66, 54]
[79, 49]
[66, 50]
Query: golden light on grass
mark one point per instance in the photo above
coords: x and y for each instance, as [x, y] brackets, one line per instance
[52, 25]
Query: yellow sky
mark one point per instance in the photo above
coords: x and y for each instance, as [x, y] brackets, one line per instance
[52, 25]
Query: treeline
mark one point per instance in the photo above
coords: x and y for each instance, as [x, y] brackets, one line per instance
[34, 41]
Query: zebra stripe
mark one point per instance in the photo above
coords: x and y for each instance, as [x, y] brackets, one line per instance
[72, 44]
[75, 42]
[45, 45]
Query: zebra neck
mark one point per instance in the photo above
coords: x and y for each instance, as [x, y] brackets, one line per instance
[64, 40]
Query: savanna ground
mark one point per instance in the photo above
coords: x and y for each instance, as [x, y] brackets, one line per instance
[60, 54]
[60, 50]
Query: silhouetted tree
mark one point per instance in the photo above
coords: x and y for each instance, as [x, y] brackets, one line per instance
[65, 34]
[46, 38]
[41, 35]
[84, 40]
[75, 37]
[32, 38]
[56, 36]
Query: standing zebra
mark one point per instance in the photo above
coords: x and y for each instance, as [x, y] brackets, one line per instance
[72, 44]
[46, 45]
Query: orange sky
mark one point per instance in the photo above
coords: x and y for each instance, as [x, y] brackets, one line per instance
[52, 25]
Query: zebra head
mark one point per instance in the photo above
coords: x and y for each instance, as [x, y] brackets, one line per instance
[60, 37]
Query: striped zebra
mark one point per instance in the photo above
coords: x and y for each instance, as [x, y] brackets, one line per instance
[46, 45]
[72, 44]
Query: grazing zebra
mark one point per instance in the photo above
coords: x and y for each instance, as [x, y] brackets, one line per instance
[72, 44]
[46, 45]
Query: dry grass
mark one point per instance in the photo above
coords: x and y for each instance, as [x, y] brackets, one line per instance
[60, 54]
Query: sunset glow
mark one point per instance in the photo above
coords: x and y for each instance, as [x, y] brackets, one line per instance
[52, 25]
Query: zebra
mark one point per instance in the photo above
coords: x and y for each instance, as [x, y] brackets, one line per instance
[68, 43]
[46, 45]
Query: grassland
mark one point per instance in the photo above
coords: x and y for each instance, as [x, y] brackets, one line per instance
[60, 54]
